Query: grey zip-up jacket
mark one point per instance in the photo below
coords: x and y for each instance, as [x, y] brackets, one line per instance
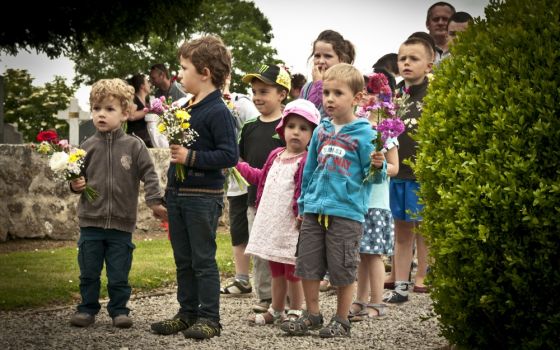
[115, 164]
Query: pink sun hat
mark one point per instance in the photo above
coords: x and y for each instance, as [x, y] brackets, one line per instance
[302, 108]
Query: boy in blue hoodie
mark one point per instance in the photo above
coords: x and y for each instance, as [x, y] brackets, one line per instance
[195, 203]
[333, 202]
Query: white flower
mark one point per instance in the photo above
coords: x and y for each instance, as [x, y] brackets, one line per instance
[58, 161]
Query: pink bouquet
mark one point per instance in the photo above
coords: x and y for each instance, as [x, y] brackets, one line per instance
[383, 112]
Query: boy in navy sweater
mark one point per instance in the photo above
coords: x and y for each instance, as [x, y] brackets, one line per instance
[195, 204]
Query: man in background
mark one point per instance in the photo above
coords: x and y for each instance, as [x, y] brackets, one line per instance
[436, 22]
[159, 77]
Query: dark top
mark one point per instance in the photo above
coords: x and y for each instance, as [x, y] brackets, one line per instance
[214, 149]
[256, 142]
[139, 127]
[407, 148]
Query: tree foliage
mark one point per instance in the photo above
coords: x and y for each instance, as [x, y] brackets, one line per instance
[34, 108]
[488, 167]
[242, 26]
[61, 26]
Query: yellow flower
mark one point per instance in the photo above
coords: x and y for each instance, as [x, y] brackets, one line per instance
[73, 158]
[44, 148]
[80, 153]
[182, 115]
[76, 155]
[185, 125]
[161, 127]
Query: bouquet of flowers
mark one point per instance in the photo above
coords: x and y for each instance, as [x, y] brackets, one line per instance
[174, 125]
[65, 160]
[384, 113]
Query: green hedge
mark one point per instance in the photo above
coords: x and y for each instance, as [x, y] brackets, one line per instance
[489, 167]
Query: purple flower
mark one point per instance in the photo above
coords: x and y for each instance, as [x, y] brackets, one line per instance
[390, 128]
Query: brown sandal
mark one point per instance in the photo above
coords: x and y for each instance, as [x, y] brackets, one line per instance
[354, 314]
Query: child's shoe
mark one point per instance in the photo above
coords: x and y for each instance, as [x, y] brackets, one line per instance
[270, 317]
[122, 321]
[172, 326]
[203, 329]
[301, 326]
[325, 285]
[337, 328]
[237, 287]
[399, 294]
[82, 319]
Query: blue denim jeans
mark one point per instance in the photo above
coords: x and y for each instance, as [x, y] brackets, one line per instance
[114, 247]
[192, 227]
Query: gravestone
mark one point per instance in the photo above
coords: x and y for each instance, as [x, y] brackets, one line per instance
[86, 129]
[73, 115]
[12, 135]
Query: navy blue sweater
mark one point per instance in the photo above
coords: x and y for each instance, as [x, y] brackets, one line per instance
[214, 149]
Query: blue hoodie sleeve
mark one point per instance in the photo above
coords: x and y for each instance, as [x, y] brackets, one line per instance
[365, 149]
[310, 166]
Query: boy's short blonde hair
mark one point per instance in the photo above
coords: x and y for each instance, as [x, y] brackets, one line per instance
[115, 88]
[208, 52]
[347, 74]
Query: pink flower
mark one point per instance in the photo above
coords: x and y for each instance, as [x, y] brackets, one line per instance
[156, 106]
[64, 144]
[377, 83]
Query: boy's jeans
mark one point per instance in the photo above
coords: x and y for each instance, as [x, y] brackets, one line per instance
[192, 227]
[114, 247]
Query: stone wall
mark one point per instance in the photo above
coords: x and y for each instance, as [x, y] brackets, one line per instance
[34, 205]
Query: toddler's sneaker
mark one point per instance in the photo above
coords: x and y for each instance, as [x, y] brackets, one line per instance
[122, 321]
[172, 326]
[203, 329]
[237, 287]
[398, 295]
[262, 306]
[82, 319]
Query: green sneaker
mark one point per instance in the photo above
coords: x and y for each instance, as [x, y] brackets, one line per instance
[172, 326]
[203, 329]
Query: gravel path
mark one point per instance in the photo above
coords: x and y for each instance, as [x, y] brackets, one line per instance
[404, 328]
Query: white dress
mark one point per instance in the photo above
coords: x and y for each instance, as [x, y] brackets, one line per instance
[274, 235]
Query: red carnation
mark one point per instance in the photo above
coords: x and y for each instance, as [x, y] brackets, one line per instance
[47, 135]
[376, 83]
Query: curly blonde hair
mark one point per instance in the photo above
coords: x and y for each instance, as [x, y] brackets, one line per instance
[115, 88]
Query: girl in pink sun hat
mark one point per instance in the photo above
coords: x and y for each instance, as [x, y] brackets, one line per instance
[275, 231]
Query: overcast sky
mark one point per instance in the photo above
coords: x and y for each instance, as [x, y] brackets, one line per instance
[375, 27]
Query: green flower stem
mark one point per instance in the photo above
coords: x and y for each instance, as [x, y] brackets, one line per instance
[90, 193]
[180, 172]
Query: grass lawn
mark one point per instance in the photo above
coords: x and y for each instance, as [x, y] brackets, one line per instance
[51, 277]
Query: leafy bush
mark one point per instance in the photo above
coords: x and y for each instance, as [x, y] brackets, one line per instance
[33, 108]
[488, 164]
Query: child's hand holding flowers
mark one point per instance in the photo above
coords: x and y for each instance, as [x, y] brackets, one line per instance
[65, 161]
[383, 113]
